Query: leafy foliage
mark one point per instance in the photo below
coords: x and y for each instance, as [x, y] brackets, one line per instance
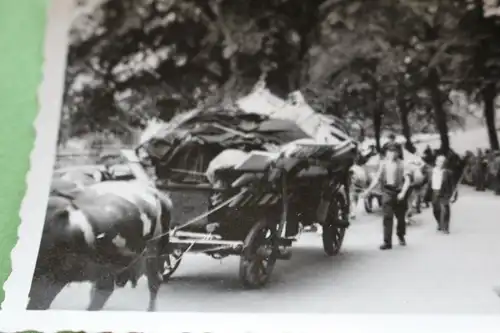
[378, 63]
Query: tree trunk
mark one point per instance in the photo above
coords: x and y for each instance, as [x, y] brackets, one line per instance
[405, 126]
[307, 16]
[440, 118]
[377, 112]
[489, 95]
[362, 135]
[377, 124]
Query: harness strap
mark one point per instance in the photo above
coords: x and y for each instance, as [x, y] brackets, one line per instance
[159, 214]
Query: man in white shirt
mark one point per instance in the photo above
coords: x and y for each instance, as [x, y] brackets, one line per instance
[442, 190]
[395, 181]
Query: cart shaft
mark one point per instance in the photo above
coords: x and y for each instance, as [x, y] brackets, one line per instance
[185, 234]
[207, 246]
[175, 240]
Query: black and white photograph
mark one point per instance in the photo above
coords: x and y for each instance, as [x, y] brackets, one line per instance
[239, 159]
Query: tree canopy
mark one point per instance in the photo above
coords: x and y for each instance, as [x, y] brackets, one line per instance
[378, 63]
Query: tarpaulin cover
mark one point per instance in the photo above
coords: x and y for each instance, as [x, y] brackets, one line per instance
[324, 129]
[228, 129]
[204, 134]
[282, 131]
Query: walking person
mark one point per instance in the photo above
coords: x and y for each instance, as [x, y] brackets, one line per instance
[443, 188]
[427, 188]
[480, 182]
[395, 182]
[495, 171]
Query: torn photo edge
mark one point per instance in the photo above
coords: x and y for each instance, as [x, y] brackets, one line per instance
[15, 317]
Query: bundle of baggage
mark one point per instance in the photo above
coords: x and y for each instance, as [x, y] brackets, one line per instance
[252, 136]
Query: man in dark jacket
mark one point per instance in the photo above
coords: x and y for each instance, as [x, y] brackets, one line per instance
[443, 188]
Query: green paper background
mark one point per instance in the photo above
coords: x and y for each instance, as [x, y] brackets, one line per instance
[22, 27]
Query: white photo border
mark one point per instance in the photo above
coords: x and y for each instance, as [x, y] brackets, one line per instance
[42, 158]
[14, 317]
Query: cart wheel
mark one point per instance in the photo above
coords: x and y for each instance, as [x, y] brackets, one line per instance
[259, 255]
[333, 235]
[171, 263]
[368, 202]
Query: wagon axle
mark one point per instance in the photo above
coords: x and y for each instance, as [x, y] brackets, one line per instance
[217, 245]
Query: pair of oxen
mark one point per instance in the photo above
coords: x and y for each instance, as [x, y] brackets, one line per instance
[106, 232]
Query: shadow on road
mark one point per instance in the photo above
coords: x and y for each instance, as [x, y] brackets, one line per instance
[309, 266]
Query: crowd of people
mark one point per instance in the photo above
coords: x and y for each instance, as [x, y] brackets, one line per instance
[442, 173]
[397, 183]
[481, 169]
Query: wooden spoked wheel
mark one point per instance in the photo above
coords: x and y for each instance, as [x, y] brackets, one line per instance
[333, 230]
[259, 255]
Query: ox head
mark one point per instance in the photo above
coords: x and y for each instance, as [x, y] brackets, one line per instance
[62, 240]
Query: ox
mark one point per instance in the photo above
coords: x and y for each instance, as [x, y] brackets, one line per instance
[106, 233]
[361, 178]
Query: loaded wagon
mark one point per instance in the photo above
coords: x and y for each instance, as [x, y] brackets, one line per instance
[243, 185]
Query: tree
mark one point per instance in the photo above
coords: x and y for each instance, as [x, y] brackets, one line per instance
[135, 59]
[193, 49]
[360, 36]
[480, 66]
[425, 33]
[433, 42]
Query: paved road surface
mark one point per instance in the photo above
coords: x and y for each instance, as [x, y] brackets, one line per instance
[433, 274]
